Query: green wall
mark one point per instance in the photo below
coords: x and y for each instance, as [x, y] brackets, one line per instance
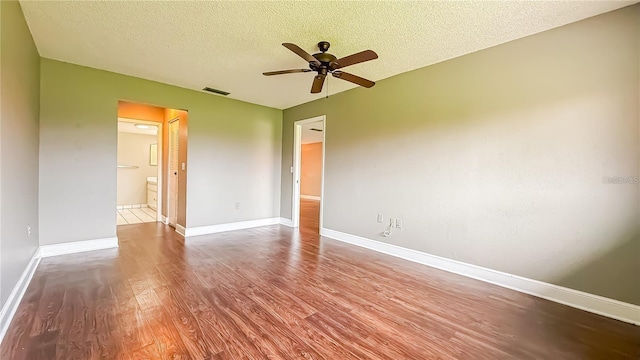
[19, 104]
[234, 151]
[497, 158]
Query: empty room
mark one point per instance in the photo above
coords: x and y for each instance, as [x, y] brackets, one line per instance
[319, 180]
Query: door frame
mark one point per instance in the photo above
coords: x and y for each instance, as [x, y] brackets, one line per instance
[160, 154]
[297, 150]
[169, 177]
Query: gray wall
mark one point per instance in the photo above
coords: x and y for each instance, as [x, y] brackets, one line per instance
[19, 108]
[234, 151]
[497, 158]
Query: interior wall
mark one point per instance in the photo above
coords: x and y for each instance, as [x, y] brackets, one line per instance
[311, 169]
[131, 110]
[233, 146]
[134, 150]
[502, 158]
[19, 109]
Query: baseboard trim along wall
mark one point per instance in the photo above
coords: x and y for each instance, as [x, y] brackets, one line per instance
[578, 299]
[286, 222]
[181, 230]
[11, 305]
[310, 197]
[212, 229]
[78, 246]
[15, 297]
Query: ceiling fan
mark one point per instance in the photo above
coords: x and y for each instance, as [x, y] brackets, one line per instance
[324, 63]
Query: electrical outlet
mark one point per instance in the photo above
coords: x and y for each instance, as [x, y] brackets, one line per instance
[380, 218]
[398, 223]
[237, 206]
[28, 230]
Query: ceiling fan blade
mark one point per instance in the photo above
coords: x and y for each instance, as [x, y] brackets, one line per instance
[303, 54]
[354, 59]
[269, 73]
[353, 78]
[318, 81]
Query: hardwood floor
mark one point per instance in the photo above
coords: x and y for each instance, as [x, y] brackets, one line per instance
[275, 293]
[310, 216]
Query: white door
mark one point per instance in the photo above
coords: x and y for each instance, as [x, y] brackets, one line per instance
[172, 204]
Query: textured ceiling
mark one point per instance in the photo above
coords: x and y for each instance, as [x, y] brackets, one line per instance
[227, 45]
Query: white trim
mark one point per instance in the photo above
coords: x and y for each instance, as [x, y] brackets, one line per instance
[15, 297]
[212, 229]
[295, 194]
[310, 197]
[578, 299]
[78, 246]
[297, 146]
[286, 222]
[159, 173]
[181, 230]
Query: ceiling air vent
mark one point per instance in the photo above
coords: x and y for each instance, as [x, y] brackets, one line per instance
[317, 130]
[216, 91]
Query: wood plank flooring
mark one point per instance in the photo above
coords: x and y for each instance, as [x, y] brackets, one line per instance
[276, 293]
[310, 216]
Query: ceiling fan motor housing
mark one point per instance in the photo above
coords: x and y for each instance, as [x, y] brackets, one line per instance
[324, 58]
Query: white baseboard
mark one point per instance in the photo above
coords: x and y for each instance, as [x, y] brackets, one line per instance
[212, 229]
[181, 230]
[578, 299]
[78, 246]
[286, 222]
[11, 305]
[310, 197]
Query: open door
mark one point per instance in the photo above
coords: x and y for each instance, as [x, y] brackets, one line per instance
[173, 169]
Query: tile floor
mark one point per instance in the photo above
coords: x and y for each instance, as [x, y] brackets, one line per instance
[135, 216]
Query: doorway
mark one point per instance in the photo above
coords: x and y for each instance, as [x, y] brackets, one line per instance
[139, 171]
[167, 196]
[308, 170]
